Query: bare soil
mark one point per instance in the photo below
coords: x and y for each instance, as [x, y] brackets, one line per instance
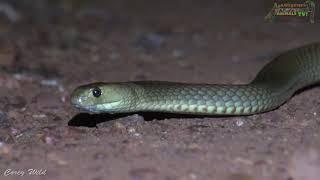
[52, 49]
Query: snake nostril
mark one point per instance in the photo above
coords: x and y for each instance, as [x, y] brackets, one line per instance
[76, 99]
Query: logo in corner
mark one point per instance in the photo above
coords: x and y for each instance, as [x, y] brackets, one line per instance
[305, 10]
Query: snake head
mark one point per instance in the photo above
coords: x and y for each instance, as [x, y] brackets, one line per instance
[100, 97]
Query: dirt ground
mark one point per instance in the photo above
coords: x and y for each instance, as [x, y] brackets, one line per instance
[47, 50]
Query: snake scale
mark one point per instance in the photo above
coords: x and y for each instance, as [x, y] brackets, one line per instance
[274, 85]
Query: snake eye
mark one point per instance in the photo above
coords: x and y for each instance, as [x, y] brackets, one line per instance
[96, 92]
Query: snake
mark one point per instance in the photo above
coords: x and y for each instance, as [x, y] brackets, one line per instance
[273, 85]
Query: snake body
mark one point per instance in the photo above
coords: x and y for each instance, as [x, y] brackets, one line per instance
[273, 86]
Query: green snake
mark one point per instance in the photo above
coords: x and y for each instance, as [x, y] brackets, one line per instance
[273, 86]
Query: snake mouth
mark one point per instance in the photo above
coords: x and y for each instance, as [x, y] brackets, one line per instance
[109, 107]
[81, 107]
[92, 108]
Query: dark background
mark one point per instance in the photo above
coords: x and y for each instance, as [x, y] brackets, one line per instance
[48, 48]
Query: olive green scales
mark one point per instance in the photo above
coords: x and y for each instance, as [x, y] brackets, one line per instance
[273, 85]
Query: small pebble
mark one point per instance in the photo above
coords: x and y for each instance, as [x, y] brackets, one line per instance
[194, 147]
[56, 159]
[14, 131]
[39, 116]
[4, 148]
[61, 88]
[243, 161]
[131, 130]
[49, 82]
[63, 99]
[49, 140]
[119, 125]
[239, 122]
[23, 77]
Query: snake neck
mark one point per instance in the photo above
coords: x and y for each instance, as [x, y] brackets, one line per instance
[202, 98]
